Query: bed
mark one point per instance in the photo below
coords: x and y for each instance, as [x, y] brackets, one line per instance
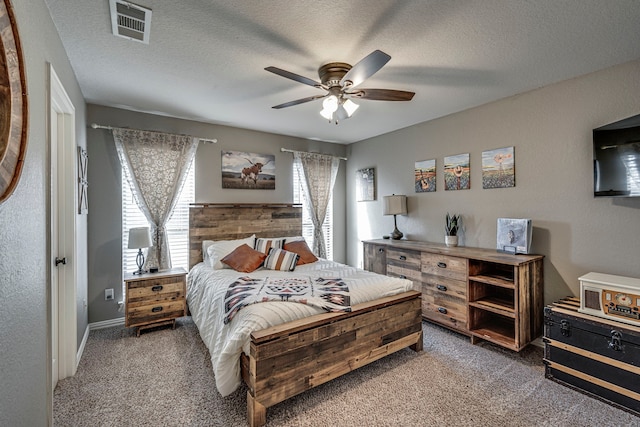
[281, 349]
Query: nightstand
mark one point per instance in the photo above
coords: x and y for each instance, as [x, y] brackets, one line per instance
[155, 299]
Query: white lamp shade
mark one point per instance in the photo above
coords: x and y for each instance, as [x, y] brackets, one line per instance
[395, 205]
[139, 237]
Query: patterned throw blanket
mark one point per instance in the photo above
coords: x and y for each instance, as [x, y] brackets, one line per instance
[329, 294]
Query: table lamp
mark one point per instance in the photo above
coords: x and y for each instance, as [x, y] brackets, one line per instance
[139, 237]
[395, 205]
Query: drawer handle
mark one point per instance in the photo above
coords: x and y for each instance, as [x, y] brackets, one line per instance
[442, 288]
[380, 250]
[156, 309]
[442, 310]
[442, 265]
[157, 288]
[402, 276]
[403, 258]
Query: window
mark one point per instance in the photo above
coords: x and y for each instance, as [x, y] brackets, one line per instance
[177, 227]
[307, 225]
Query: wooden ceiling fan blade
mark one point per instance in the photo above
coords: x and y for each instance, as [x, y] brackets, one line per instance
[293, 76]
[367, 67]
[298, 101]
[383, 94]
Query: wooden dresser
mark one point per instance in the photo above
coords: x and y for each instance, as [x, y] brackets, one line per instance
[155, 299]
[482, 293]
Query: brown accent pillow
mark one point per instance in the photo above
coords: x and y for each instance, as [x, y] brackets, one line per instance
[244, 259]
[300, 247]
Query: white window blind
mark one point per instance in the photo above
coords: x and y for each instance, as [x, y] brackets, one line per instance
[307, 225]
[177, 227]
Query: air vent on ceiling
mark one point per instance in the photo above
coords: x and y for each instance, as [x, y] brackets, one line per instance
[130, 21]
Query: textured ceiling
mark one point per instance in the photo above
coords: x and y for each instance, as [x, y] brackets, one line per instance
[206, 59]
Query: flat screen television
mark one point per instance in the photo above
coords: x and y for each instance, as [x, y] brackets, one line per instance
[616, 159]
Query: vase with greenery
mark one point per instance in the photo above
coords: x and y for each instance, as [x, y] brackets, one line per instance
[451, 229]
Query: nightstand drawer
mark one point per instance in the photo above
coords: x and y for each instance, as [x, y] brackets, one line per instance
[444, 266]
[156, 289]
[155, 312]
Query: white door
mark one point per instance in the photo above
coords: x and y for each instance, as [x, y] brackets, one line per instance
[62, 297]
[54, 248]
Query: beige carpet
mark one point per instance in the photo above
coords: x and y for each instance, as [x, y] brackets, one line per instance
[164, 378]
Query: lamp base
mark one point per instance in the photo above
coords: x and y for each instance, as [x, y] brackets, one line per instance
[140, 262]
[397, 234]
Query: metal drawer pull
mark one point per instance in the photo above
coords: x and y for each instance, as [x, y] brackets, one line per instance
[156, 288]
[402, 276]
[442, 265]
[442, 288]
[156, 309]
[380, 250]
[442, 310]
[403, 258]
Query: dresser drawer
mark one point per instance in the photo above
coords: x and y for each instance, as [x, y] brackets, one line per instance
[444, 308]
[403, 258]
[406, 273]
[444, 266]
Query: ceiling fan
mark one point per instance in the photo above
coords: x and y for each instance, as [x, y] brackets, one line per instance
[340, 81]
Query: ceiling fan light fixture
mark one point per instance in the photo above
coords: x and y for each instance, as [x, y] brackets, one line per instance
[330, 103]
[326, 114]
[350, 107]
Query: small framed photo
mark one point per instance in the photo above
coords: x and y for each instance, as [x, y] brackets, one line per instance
[248, 170]
[457, 172]
[366, 184]
[425, 176]
[499, 168]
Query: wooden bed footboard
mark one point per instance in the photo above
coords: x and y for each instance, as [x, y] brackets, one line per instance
[288, 359]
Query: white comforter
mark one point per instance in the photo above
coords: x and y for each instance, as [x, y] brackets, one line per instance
[206, 289]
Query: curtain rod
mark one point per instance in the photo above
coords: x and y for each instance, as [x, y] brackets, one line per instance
[97, 126]
[286, 150]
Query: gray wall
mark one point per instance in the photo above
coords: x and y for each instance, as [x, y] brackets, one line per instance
[105, 216]
[24, 264]
[550, 129]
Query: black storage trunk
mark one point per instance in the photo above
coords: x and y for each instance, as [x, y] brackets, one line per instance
[597, 356]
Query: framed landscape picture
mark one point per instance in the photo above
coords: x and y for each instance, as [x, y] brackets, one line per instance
[425, 176]
[499, 168]
[457, 172]
[366, 184]
[253, 171]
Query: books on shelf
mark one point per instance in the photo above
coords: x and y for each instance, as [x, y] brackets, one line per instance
[514, 235]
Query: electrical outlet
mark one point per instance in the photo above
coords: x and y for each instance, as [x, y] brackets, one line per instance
[108, 294]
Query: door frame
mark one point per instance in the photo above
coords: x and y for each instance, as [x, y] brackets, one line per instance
[62, 146]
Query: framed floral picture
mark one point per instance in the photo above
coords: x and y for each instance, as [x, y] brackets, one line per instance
[366, 184]
[457, 172]
[499, 168]
[425, 176]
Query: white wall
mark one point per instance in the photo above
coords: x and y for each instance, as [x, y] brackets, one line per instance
[105, 210]
[550, 129]
[25, 261]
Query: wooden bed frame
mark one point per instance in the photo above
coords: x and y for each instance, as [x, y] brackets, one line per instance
[287, 359]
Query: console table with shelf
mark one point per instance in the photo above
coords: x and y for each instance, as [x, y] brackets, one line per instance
[482, 293]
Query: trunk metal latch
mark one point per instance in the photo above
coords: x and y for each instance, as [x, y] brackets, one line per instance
[565, 328]
[616, 341]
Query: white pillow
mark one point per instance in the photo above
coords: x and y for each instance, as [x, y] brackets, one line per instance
[292, 239]
[205, 253]
[221, 248]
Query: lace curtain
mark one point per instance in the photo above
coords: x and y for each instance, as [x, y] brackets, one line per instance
[155, 164]
[317, 177]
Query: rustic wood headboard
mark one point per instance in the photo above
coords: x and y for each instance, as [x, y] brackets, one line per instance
[228, 221]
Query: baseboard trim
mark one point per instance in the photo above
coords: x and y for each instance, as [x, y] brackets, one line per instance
[85, 337]
[107, 323]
